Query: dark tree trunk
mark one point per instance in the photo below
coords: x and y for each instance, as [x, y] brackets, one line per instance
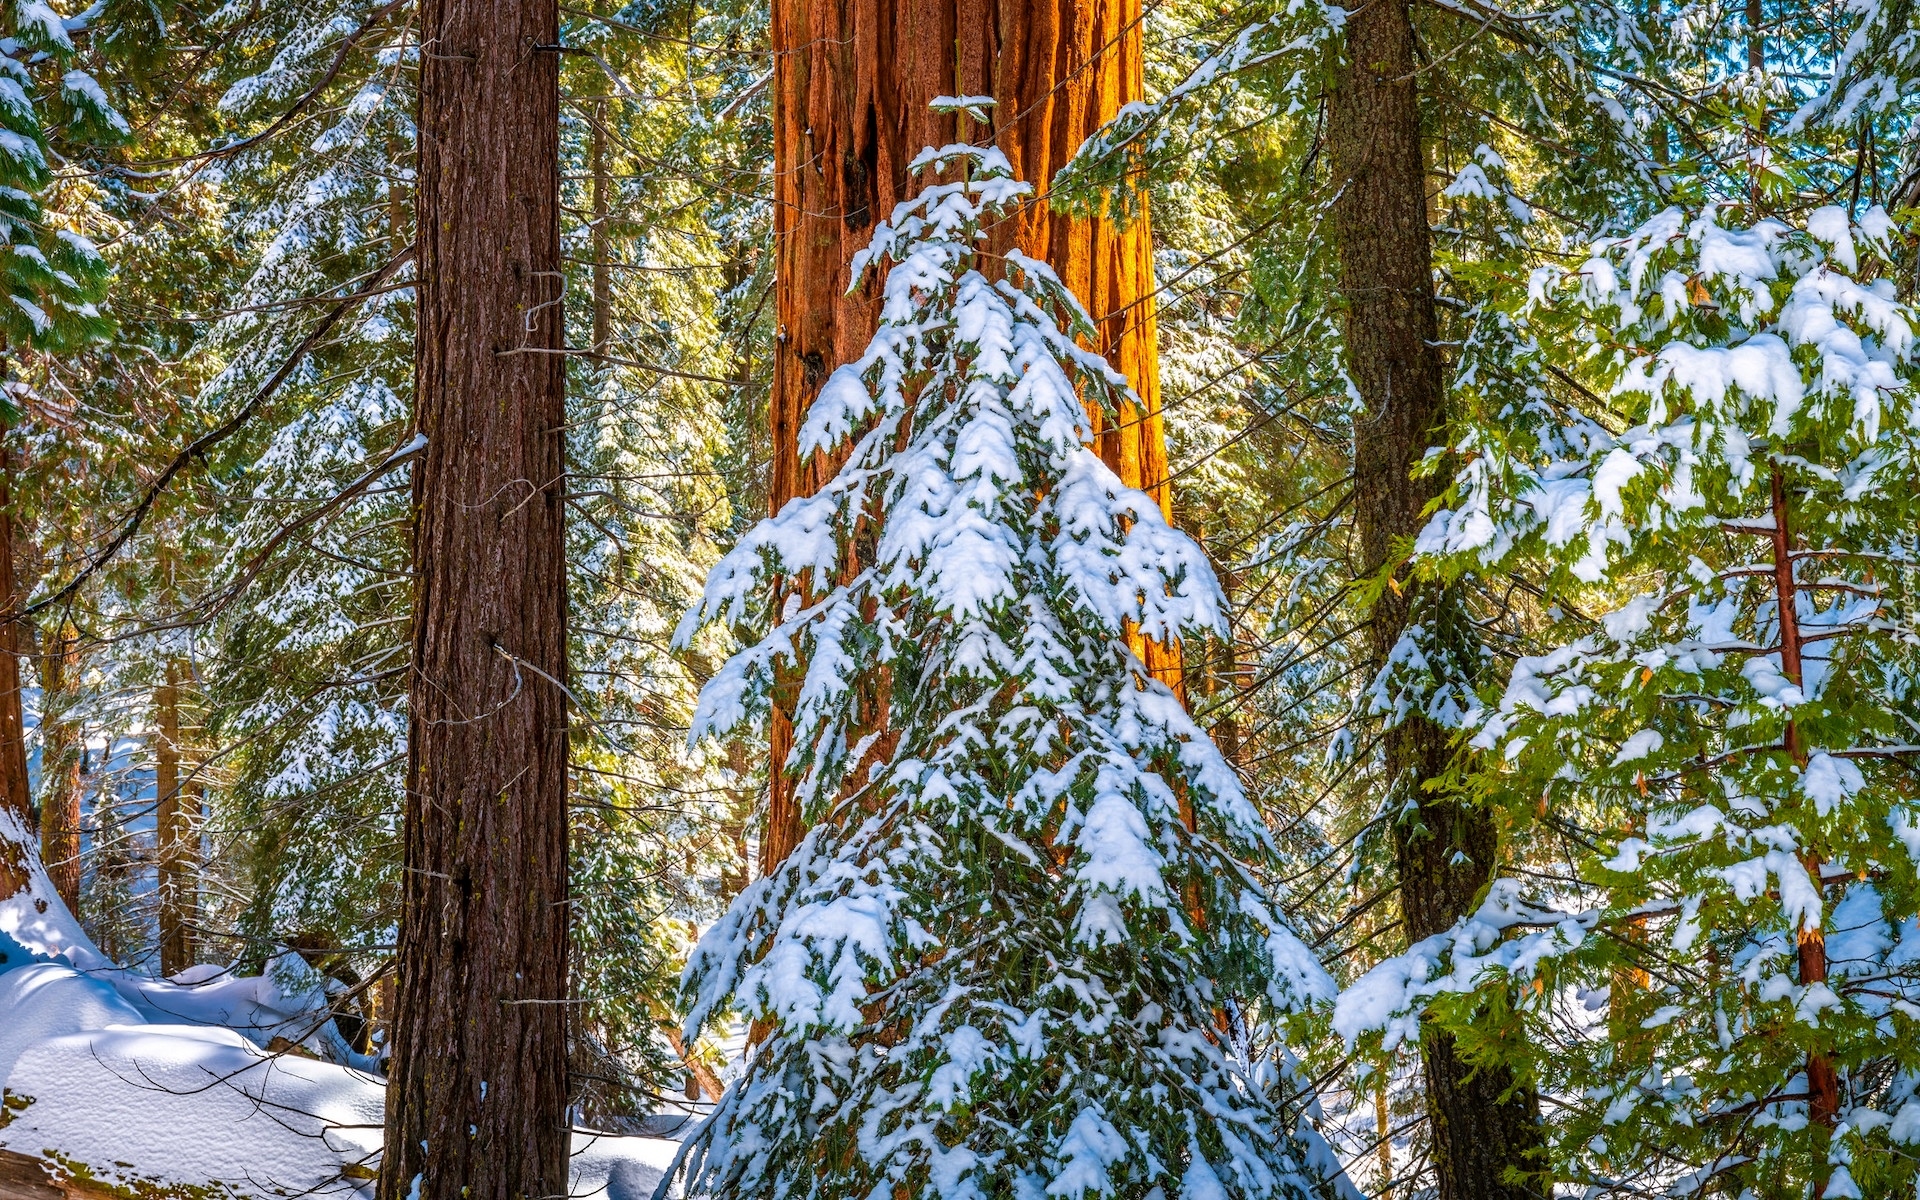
[175, 814]
[18, 836]
[476, 1103]
[1483, 1127]
[851, 89]
[60, 775]
[16, 792]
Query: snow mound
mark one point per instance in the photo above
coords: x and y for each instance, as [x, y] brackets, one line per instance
[112, 1095]
[196, 1105]
[46, 1001]
[619, 1168]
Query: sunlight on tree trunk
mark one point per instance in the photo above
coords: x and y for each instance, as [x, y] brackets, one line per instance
[477, 1096]
[1482, 1125]
[851, 91]
[176, 829]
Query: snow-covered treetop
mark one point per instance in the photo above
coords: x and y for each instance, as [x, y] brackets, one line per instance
[985, 497]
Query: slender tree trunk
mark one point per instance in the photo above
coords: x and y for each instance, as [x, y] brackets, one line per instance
[1383, 1127]
[1483, 1126]
[1823, 1083]
[18, 835]
[16, 792]
[476, 1103]
[851, 89]
[175, 821]
[702, 1082]
[60, 774]
[602, 208]
[1756, 63]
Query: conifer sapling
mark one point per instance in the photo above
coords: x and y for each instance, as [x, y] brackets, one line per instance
[1014, 953]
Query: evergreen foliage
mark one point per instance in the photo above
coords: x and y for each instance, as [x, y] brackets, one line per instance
[1012, 954]
[1056, 930]
[1740, 784]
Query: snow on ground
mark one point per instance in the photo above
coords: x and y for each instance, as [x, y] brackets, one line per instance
[127, 1100]
[130, 1079]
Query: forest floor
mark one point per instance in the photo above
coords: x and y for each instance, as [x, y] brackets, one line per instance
[119, 1084]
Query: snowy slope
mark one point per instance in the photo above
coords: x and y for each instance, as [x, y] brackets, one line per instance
[129, 1100]
[130, 1079]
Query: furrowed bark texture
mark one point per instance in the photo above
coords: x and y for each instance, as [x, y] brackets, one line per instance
[852, 82]
[1482, 1125]
[174, 817]
[476, 1101]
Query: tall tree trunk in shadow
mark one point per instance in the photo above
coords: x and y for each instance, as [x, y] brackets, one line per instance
[477, 1094]
[1484, 1127]
[851, 89]
[16, 790]
[176, 831]
[19, 834]
[61, 748]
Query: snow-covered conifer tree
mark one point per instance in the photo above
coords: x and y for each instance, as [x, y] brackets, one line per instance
[1015, 953]
[1727, 739]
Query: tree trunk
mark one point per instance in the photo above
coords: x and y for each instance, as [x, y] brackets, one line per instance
[1483, 1127]
[851, 89]
[175, 824]
[17, 832]
[602, 207]
[1823, 1082]
[1756, 138]
[60, 752]
[476, 1103]
[16, 791]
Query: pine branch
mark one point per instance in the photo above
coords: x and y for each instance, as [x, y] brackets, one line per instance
[213, 437]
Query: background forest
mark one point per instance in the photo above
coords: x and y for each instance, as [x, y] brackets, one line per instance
[1497, 622]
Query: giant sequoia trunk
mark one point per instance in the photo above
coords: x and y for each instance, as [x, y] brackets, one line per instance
[1483, 1127]
[476, 1106]
[851, 89]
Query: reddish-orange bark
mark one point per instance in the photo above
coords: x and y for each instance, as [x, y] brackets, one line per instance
[17, 849]
[1823, 1083]
[851, 92]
